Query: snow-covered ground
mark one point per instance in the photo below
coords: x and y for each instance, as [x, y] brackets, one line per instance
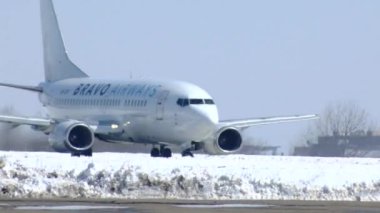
[124, 175]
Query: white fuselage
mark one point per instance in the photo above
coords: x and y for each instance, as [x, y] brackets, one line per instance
[141, 111]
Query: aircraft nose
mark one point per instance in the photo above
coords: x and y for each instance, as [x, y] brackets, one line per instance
[211, 117]
[208, 116]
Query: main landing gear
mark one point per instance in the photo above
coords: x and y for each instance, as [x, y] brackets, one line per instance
[163, 151]
[86, 153]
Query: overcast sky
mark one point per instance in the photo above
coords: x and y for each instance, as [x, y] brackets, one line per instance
[256, 58]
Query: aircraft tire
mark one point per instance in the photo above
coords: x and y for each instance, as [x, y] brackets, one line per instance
[155, 152]
[166, 153]
[187, 153]
[87, 153]
[75, 154]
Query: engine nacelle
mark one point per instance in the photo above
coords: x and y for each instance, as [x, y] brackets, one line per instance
[227, 140]
[71, 136]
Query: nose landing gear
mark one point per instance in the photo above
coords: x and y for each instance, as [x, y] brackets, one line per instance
[187, 152]
[193, 147]
[163, 151]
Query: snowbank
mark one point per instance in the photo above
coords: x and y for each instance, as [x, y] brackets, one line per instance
[123, 175]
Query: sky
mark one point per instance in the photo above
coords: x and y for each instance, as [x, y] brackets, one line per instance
[256, 58]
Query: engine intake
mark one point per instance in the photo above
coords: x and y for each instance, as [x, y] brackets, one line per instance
[71, 136]
[229, 140]
[226, 141]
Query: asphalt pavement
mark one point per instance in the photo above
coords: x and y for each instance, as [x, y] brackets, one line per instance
[178, 206]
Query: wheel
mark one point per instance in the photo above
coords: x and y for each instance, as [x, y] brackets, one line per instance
[155, 152]
[166, 153]
[187, 152]
[87, 153]
[75, 154]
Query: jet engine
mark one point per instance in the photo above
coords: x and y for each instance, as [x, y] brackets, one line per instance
[227, 140]
[71, 136]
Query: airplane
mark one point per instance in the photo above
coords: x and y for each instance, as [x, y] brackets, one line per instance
[160, 113]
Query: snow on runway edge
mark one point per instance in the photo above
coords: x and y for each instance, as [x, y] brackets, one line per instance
[138, 176]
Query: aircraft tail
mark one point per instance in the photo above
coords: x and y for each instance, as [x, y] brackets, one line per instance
[56, 62]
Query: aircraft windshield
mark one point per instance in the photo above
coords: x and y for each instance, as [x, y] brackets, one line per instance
[193, 101]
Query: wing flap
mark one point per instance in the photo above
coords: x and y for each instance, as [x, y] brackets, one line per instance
[244, 123]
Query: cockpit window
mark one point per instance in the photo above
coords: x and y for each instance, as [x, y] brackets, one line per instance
[196, 101]
[209, 101]
[183, 102]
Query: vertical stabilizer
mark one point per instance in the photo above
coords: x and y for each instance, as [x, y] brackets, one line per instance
[56, 62]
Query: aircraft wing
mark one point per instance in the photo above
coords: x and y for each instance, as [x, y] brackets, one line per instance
[245, 123]
[44, 124]
[19, 120]
[17, 86]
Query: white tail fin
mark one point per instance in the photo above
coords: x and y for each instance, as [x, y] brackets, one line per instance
[56, 62]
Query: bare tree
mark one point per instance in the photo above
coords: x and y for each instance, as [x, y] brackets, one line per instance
[345, 119]
[338, 118]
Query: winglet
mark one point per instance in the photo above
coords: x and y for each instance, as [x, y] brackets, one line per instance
[56, 62]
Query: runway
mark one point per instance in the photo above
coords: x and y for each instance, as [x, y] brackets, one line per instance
[175, 206]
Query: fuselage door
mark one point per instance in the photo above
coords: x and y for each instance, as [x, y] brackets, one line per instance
[161, 104]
